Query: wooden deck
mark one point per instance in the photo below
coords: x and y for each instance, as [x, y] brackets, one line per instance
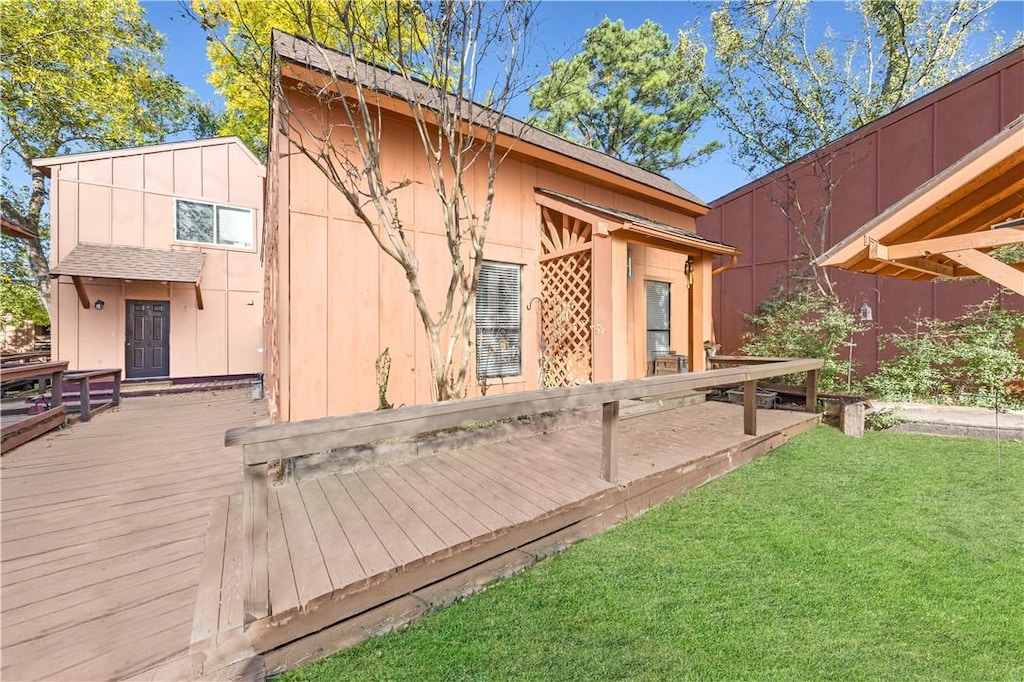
[103, 532]
[345, 550]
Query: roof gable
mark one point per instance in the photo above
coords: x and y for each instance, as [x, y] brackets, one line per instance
[48, 162]
[307, 54]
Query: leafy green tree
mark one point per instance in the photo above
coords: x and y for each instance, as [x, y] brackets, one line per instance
[975, 359]
[784, 93]
[239, 48]
[77, 74]
[630, 93]
[805, 323]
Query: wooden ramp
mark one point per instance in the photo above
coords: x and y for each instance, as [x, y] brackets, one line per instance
[104, 528]
[355, 554]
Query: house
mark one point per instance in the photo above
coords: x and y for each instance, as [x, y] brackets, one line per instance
[874, 167]
[155, 259]
[593, 265]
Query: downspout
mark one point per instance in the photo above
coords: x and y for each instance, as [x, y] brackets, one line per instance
[722, 268]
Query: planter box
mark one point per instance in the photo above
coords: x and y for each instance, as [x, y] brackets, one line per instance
[765, 399]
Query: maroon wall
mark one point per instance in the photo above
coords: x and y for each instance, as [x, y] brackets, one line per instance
[880, 164]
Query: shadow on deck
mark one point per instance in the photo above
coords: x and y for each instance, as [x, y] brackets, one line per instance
[353, 555]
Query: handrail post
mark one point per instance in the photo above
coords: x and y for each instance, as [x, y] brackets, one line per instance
[750, 408]
[115, 397]
[811, 404]
[57, 389]
[610, 441]
[254, 537]
[83, 396]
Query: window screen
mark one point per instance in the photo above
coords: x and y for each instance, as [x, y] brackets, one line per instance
[659, 298]
[195, 222]
[498, 321]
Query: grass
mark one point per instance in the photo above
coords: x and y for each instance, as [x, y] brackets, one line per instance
[889, 557]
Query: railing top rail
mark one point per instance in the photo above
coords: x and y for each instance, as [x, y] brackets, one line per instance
[91, 373]
[293, 439]
[30, 371]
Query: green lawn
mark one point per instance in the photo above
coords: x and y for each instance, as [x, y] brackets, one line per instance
[889, 557]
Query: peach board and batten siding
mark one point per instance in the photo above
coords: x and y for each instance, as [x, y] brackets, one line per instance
[328, 337]
[129, 198]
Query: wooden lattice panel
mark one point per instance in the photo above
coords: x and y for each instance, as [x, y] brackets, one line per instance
[567, 324]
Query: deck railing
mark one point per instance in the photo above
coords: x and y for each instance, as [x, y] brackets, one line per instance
[35, 425]
[264, 444]
[84, 378]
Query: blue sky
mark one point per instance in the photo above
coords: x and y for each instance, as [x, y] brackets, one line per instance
[560, 29]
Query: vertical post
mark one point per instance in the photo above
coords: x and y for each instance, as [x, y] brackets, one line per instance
[57, 389]
[812, 391]
[83, 396]
[610, 441]
[255, 566]
[750, 408]
[115, 398]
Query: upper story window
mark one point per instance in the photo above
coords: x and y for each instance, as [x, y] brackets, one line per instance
[197, 221]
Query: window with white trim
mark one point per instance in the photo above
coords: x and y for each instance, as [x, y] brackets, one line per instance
[499, 321]
[205, 223]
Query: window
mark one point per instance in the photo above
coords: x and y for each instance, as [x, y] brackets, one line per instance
[659, 306]
[214, 224]
[498, 321]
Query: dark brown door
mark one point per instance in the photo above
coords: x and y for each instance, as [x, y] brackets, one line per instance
[147, 343]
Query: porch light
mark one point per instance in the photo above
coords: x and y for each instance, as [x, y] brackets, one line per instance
[866, 314]
[98, 305]
[629, 263]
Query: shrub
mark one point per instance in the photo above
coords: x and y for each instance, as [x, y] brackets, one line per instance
[805, 324]
[974, 359]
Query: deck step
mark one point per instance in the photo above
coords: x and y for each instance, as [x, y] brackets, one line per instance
[219, 600]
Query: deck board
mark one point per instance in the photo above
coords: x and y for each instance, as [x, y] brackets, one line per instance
[104, 528]
[340, 559]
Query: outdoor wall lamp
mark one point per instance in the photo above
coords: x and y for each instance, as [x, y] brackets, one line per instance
[629, 263]
[98, 305]
[866, 314]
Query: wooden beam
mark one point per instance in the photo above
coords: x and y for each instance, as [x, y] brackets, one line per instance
[199, 296]
[987, 266]
[974, 240]
[83, 297]
[610, 441]
[811, 397]
[750, 408]
[882, 253]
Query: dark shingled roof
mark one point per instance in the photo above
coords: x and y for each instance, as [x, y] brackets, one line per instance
[638, 220]
[306, 53]
[114, 261]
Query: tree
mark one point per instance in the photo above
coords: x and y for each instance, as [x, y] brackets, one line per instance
[238, 48]
[443, 44]
[77, 74]
[784, 93]
[630, 93]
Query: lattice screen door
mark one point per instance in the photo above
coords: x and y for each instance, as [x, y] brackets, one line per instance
[567, 356]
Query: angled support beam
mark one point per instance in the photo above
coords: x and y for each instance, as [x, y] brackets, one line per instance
[83, 297]
[974, 240]
[882, 253]
[987, 266]
[199, 296]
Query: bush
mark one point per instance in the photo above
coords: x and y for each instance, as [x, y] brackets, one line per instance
[974, 359]
[805, 324]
